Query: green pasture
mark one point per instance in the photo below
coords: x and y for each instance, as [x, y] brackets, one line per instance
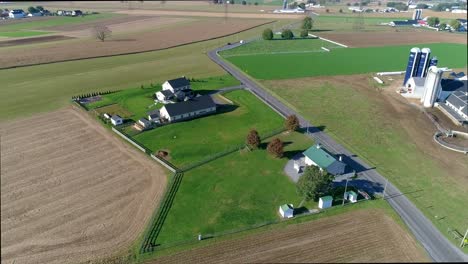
[280, 46]
[344, 61]
[21, 34]
[194, 140]
[237, 191]
[360, 123]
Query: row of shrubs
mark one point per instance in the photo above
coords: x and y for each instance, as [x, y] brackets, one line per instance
[79, 97]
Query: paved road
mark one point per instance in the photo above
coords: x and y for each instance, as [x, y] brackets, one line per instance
[436, 245]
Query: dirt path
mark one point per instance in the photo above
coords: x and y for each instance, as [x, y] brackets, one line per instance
[71, 191]
[359, 236]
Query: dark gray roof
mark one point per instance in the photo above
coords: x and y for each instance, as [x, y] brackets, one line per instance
[405, 22]
[153, 112]
[450, 85]
[167, 93]
[116, 117]
[336, 168]
[196, 104]
[144, 120]
[459, 99]
[179, 82]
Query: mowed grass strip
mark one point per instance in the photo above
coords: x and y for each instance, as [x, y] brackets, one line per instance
[195, 140]
[280, 46]
[344, 61]
[361, 122]
[22, 34]
[233, 192]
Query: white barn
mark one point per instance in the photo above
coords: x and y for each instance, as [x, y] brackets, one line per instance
[198, 106]
[116, 120]
[176, 85]
[286, 210]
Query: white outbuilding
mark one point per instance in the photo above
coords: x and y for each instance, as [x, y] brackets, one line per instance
[286, 210]
[351, 196]
[116, 120]
[325, 202]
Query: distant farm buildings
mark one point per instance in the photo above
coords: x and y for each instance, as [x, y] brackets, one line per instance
[17, 13]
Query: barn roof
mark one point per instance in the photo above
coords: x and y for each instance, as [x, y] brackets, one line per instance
[179, 82]
[196, 104]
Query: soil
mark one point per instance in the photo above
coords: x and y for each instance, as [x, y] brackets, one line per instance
[359, 236]
[368, 39]
[106, 22]
[71, 191]
[136, 42]
[210, 14]
[35, 40]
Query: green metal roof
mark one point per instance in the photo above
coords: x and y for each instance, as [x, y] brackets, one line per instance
[326, 198]
[353, 193]
[320, 156]
[285, 207]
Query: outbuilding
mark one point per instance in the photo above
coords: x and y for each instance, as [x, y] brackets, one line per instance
[351, 196]
[286, 210]
[153, 116]
[116, 120]
[106, 116]
[198, 106]
[325, 202]
[164, 95]
[145, 123]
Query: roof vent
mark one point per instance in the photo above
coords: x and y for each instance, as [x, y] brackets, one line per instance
[318, 146]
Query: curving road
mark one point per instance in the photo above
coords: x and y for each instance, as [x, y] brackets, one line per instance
[436, 245]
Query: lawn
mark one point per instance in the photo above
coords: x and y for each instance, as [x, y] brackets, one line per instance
[26, 24]
[21, 34]
[280, 46]
[49, 87]
[361, 123]
[236, 191]
[195, 140]
[139, 101]
[343, 61]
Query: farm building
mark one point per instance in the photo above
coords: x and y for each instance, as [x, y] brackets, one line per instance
[106, 116]
[403, 23]
[153, 116]
[145, 123]
[175, 85]
[116, 120]
[325, 202]
[415, 87]
[17, 13]
[286, 210]
[351, 196]
[77, 13]
[456, 104]
[198, 106]
[164, 95]
[320, 157]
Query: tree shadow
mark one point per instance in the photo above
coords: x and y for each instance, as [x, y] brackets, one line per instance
[312, 129]
[320, 30]
[357, 167]
[291, 154]
[368, 186]
[225, 108]
[121, 40]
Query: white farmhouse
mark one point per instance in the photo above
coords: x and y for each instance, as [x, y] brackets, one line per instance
[116, 120]
[176, 85]
[198, 106]
[320, 157]
[164, 95]
[286, 210]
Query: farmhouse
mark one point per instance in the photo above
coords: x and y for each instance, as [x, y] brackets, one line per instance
[286, 210]
[175, 85]
[164, 95]
[116, 120]
[198, 106]
[17, 13]
[320, 157]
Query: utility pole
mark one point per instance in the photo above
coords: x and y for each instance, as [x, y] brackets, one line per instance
[346, 187]
[385, 189]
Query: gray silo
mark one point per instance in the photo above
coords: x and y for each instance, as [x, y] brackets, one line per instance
[412, 66]
[423, 63]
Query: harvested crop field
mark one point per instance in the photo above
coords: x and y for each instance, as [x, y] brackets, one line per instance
[263, 15]
[369, 39]
[106, 22]
[136, 42]
[359, 236]
[71, 191]
[26, 41]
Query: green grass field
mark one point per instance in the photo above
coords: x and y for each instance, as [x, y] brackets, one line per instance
[360, 122]
[197, 139]
[26, 24]
[236, 191]
[280, 46]
[345, 61]
[21, 34]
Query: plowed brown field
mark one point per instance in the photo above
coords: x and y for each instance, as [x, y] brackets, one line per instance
[369, 39]
[367, 235]
[71, 191]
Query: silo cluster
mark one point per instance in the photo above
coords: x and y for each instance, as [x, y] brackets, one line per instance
[417, 14]
[432, 87]
[418, 63]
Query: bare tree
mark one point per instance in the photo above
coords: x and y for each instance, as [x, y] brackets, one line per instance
[101, 32]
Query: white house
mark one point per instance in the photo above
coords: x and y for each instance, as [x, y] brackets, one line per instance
[351, 196]
[325, 202]
[286, 210]
[17, 13]
[176, 85]
[320, 157]
[198, 106]
[116, 120]
[164, 95]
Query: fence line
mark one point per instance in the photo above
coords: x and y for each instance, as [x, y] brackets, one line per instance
[165, 163]
[129, 140]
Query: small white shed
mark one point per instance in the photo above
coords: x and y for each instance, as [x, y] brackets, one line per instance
[286, 210]
[325, 202]
[116, 120]
[351, 196]
[107, 116]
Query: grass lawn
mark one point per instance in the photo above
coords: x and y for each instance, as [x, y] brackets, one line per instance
[197, 139]
[280, 46]
[139, 101]
[357, 120]
[26, 24]
[21, 34]
[236, 191]
[49, 87]
[343, 61]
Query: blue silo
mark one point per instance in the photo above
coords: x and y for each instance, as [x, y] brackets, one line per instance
[423, 64]
[412, 64]
[433, 61]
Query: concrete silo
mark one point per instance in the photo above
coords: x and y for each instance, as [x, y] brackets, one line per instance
[412, 64]
[432, 86]
[285, 4]
[423, 63]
